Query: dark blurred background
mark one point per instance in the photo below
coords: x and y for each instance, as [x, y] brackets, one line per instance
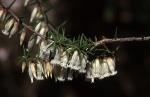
[94, 18]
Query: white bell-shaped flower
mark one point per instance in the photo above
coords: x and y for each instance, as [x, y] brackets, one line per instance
[45, 50]
[56, 59]
[48, 69]
[75, 61]
[34, 13]
[22, 36]
[14, 29]
[31, 41]
[84, 62]
[111, 65]
[40, 71]
[26, 2]
[104, 69]
[64, 60]
[94, 70]
[30, 74]
[8, 26]
[32, 71]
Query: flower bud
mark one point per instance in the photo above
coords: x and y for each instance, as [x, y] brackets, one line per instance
[14, 29]
[56, 59]
[30, 74]
[48, 69]
[40, 71]
[8, 26]
[84, 62]
[74, 60]
[26, 2]
[22, 36]
[38, 27]
[23, 66]
[41, 32]
[64, 60]
[31, 42]
[32, 66]
[34, 13]
[111, 65]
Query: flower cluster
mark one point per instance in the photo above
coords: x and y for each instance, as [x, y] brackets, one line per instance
[101, 68]
[11, 24]
[38, 69]
[50, 54]
[62, 66]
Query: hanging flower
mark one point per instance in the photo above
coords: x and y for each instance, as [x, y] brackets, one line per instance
[48, 69]
[34, 13]
[111, 65]
[59, 73]
[40, 71]
[104, 69]
[94, 71]
[45, 50]
[9, 24]
[64, 60]
[56, 60]
[14, 29]
[32, 71]
[39, 15]
[42, 31]
[70, 75]
[30, 74]
[84, 62]
[23, 66]
[31, 41]
[96, 68]
[62, 75]
[22, 36]
[75, 61]
[26, 2]
[108, 67]
[38, 27]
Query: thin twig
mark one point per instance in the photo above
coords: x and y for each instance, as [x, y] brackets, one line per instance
[12, 3]
[121, 40]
